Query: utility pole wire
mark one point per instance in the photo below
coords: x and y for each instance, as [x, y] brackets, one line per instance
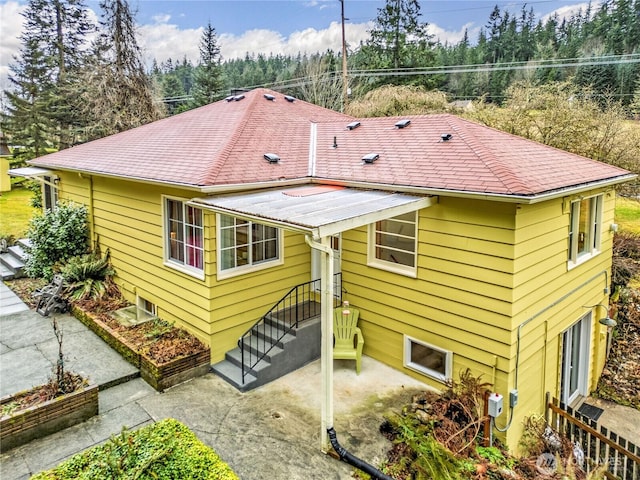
[451, 69]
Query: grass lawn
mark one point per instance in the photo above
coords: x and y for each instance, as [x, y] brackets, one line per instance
[628, 214]
[15, 212]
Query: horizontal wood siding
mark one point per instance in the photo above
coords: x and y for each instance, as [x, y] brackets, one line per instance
[461, 298]
[549, 297]
[216, 311]
[242, 300]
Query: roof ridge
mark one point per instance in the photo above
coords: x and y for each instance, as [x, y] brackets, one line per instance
[211, 173]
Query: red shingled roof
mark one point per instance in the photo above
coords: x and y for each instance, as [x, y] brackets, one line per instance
[223, 144]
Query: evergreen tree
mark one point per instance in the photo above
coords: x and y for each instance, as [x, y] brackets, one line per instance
[28, 121]
[118, 94]
[208, 81]
[398, 40]
[54, 47]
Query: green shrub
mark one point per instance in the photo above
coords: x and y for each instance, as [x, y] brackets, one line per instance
[55, 237]
[87, 276]
[162, 451]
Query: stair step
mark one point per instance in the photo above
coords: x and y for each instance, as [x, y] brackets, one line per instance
[6, 273]
[274, 334]
[235, 357]
[11, 262]
[24, 243]
[232, 374]
[18, 252]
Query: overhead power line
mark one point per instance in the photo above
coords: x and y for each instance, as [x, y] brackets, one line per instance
[452, 69]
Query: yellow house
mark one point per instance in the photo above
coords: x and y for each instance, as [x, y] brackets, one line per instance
[462, 246]
[5, 156]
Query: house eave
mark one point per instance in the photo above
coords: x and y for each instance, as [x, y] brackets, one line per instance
[239, 187]
[496, 197]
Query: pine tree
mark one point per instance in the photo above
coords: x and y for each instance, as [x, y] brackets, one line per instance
[118, 94]
[208, 82]
[54, 47]
[27, 120]
[398, 40]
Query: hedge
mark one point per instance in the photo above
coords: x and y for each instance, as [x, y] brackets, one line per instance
[162, 451]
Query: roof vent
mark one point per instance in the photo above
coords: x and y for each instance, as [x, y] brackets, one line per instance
[269, 97]
[446, 137]
[370, 157]
[403, 123]
[353, 125]
[237, 98]
[289, 98]
[271, 157]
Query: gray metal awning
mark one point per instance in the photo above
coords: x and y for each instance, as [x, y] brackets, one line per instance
[30, 172]
[315, 210]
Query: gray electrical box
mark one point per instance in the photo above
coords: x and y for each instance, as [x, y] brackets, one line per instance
[495, 405]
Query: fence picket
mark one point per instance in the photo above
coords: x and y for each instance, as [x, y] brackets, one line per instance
[597, 442]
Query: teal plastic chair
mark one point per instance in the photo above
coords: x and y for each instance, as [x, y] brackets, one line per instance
[347, 337]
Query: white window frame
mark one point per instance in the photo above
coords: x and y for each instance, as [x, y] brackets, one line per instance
[593, 237]
[49, 192]
[249, 267]
[435, 374]
[141, 305]
[175, 263]
[374, 261]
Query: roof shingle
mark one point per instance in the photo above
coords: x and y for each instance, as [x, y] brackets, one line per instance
[223, 144]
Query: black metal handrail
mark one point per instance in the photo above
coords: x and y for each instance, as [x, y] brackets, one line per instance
[297, 305]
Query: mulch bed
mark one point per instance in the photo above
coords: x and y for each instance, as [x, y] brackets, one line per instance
[159, 340]
[46, 392]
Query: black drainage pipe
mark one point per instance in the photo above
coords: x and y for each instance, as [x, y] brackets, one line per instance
[353, 460]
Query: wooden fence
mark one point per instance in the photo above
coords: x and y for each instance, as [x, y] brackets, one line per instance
[599, 445]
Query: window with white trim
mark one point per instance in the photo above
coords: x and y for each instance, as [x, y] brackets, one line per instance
[184, 234]
[393, 243]
[585, 228]
[427, 359]
[49, 193]
[146, 309]
[244, 244]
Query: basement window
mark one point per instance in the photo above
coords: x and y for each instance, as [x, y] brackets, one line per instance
[427, 359]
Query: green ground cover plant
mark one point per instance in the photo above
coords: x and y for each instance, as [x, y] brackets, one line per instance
[162, 451]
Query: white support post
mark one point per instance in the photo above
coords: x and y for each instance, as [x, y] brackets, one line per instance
[326, 354]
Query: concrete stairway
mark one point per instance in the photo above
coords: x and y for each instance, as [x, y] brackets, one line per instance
[292, 352]
[12, 261]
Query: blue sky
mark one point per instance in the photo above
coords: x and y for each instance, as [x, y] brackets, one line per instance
[172, 28]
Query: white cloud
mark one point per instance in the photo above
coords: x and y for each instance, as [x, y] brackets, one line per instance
[453, 37]
[11, 26]
[567, 11]
[164, 40]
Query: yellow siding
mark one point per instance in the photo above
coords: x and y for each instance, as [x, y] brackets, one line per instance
[461, 298]
[487, 273]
